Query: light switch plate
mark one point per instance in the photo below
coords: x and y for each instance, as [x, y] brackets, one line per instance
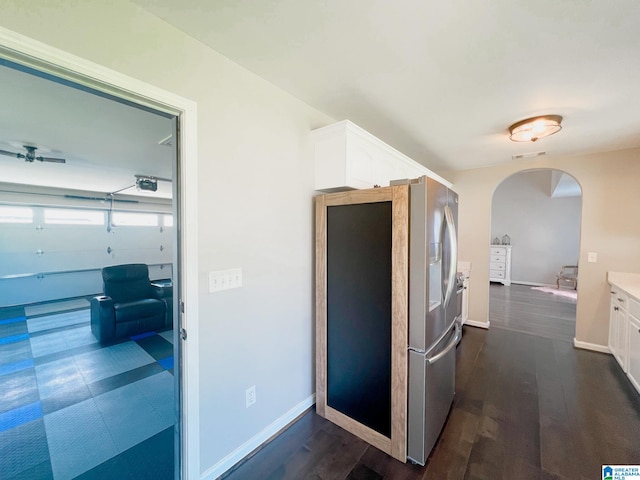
[250, 396]
[235, 277]
[592, 257]
[215, 282]
[225, 279]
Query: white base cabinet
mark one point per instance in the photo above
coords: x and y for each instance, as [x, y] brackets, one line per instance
[633, 359]
[624, 323]
[464, 268]
[464, 315]
[618, 326]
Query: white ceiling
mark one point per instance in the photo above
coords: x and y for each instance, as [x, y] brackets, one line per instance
[441, 81]
[105, 143]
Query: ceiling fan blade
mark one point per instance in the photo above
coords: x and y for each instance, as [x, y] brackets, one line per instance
[9, 154]
[51, 160]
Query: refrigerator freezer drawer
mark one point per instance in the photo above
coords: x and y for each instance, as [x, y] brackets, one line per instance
[431, 390]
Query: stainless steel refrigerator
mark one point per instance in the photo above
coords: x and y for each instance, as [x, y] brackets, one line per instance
[433, 329]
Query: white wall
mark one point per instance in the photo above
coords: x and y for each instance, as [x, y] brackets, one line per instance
[255, 173]
[610, 226]
[544, 231]
[35, 255]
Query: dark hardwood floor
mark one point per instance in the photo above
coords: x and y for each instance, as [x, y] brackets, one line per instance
[526, 407]
[519, 308]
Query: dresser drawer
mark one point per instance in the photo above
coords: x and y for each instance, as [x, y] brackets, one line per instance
[497, 266]
[498, 251]
[497, 259]
[496, 273]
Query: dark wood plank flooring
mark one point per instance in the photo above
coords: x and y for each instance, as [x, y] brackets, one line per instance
[526, 407]
[521, 309]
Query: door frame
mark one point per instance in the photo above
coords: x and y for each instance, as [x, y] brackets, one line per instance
[40, 56]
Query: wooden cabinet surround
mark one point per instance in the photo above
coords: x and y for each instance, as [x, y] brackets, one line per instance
[361, 314]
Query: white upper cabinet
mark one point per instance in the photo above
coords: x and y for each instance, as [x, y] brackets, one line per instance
[348, 157]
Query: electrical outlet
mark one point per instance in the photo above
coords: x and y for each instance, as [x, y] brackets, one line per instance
[250, 395]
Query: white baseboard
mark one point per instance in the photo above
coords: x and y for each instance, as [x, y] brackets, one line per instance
[250, 445]
[590, 346]
[473, 323]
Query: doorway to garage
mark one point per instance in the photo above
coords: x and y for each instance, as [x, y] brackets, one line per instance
[74, 404]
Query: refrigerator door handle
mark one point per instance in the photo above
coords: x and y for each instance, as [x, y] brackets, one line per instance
[452, 344]
[453, 248]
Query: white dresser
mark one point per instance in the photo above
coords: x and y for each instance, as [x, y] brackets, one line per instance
[500, 264]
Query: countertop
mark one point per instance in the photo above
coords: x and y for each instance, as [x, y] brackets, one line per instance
[629, 282]
[465, 268]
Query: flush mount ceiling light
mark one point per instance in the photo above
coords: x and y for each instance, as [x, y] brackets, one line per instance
[531, 129]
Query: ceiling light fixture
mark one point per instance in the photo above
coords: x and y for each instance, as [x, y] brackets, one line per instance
[531, 129]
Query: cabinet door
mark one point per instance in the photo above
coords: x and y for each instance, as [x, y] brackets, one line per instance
[465, 301]
[633, 342]
[621, 338]
[613, 323]
[634, 351]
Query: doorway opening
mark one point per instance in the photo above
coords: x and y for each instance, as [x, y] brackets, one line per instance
[74, 404]
[535, 232]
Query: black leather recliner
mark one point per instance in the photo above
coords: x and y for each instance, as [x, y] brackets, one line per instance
[130, 304]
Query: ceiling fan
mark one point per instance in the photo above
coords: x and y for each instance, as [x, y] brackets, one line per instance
[30, 156]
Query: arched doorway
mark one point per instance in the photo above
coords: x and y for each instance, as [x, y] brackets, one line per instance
[538, 214]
